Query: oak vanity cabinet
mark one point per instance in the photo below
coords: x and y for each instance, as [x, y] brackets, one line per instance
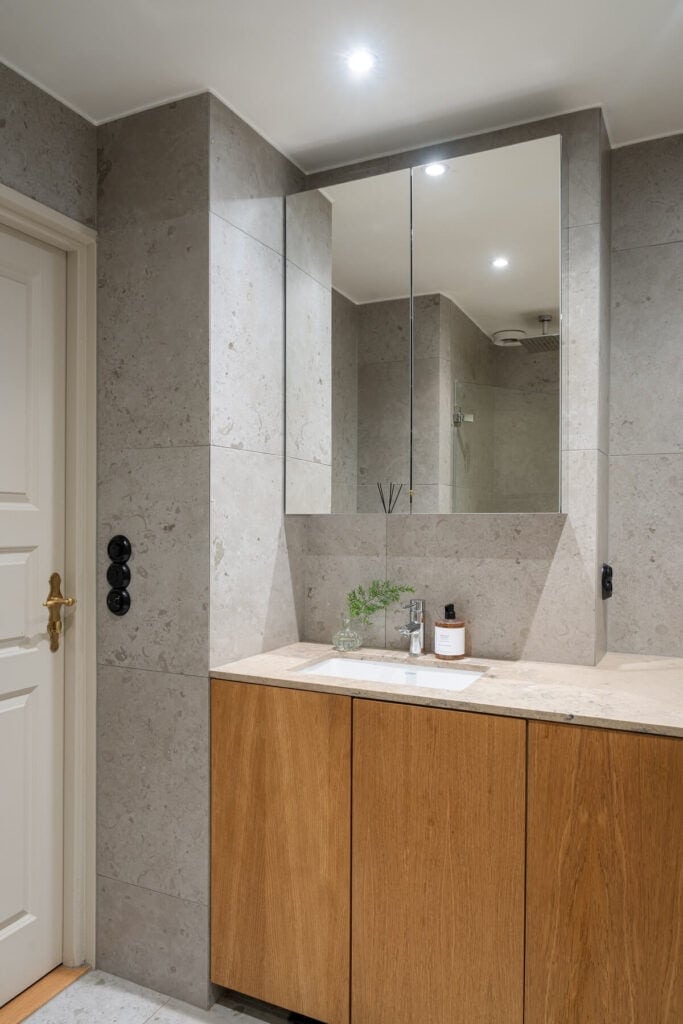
[438, 866]
[604, 877]
[280, 846]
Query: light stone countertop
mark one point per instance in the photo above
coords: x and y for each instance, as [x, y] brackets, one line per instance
[624, 691]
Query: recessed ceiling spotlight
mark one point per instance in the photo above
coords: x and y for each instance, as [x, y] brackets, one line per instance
[435, 170]
[359, 62]
[500, 262]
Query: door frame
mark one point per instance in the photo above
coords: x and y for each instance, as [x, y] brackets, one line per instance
[39, 222]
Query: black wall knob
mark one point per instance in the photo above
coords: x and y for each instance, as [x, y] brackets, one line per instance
[118, 576]
[119, 549]
[118, 601]
[607, 581]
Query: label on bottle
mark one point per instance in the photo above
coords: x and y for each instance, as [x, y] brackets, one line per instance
[449, 641]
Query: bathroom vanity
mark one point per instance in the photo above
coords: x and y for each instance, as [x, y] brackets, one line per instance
[507, 852]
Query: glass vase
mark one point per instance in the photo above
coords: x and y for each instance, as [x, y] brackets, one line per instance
[346, 639]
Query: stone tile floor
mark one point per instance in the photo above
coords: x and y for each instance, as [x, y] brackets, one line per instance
[99, 998]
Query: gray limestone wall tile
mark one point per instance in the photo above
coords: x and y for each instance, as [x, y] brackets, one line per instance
[154, 939]
[153, 781]
[604, 342]
[47, 151]
[154, 166]
[581, 339]
[247, 341]
[472, 354]
[602, 553]
[308, 487]
[384, 423]
[308, 234]
[429, 341]
[646, 363]
[342, 552]
[647, 194]
[427, 447]
[344, 403]
[527, 371]
[383, 332]
[252, 600]
[158, 497]
[564, 626]
[646, 551]
[309, 368]
[526, 448]
[492, 567]
[248, 177]
[295, 539]
[153, 334]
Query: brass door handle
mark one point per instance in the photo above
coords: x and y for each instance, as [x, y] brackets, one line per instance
[54, 602]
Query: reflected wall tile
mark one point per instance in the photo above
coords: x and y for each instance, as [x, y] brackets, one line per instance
[429, 342]
[384, 331]
[153, 781]
[647, 369]
[252, 602]
[647, 200]
[308, 487]
[646, 551]
[308, 224]
[151, 496]
[154, 939]
[426, 420]
[247, 342]
[248, 177]
[170, 139]
[384, 423]
[153, 334]
[344, 403]
[309, 368]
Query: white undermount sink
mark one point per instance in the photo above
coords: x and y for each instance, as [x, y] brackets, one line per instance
[394, 672]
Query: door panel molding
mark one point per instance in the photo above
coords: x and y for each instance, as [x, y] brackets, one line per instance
[39, 222]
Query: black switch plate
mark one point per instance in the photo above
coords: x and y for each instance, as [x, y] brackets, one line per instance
[607, 584]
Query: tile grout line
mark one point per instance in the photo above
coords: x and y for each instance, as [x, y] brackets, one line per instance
[157, 892]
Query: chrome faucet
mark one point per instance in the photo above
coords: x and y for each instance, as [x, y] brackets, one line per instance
[414, 629]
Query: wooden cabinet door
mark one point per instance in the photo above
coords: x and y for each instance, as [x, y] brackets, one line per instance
[438, 866]
[280, 855]
[604, 877]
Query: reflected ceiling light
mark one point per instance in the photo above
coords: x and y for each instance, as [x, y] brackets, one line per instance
[500, 262]
[435, 170]
[359, 62]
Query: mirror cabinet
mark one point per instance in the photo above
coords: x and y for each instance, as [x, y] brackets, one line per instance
[423, 338]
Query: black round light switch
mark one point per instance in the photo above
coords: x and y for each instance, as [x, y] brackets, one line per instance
[118, 576]
[119, 549]
[118, 601]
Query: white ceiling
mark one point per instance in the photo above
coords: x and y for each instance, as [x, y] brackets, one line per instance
[445, 68]
[504, 202]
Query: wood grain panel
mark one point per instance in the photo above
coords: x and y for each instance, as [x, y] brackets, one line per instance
[438, 866]
[281, 818]
[605, 877]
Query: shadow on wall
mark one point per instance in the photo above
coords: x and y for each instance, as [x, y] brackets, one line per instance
[506, 583]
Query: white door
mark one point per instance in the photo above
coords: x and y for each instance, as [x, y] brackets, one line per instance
[32, 407]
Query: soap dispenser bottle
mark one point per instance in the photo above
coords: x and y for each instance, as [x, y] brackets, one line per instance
[449, 636]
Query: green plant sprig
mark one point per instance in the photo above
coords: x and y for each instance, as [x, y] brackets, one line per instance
[363, 604]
